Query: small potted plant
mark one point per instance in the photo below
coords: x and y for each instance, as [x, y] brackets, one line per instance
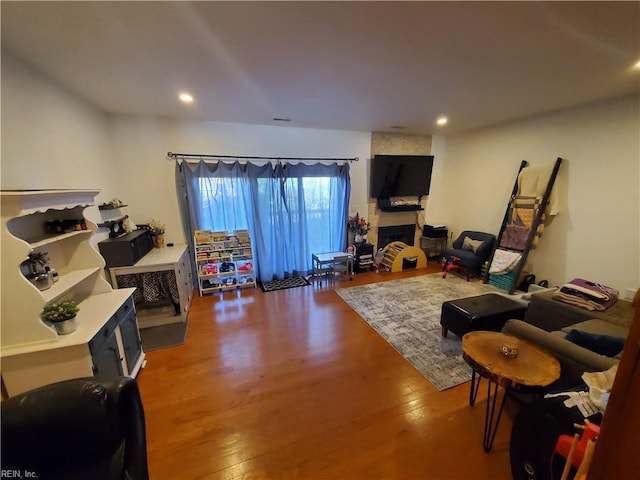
[157, 230]
[62, 315]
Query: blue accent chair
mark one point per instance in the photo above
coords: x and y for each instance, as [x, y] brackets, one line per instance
[468, 257]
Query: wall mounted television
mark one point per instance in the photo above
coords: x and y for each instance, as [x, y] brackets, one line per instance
[400, 176]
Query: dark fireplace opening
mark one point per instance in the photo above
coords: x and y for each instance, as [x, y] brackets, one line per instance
[396, 233]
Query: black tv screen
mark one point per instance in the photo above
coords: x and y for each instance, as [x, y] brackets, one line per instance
[400, 175]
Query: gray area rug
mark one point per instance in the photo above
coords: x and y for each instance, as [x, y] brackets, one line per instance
[163, 336]
[406, 313]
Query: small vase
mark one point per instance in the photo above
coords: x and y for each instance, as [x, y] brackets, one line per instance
[160, 240]
[350, 237]
[67, 326]
[358, 238]
[41, 280]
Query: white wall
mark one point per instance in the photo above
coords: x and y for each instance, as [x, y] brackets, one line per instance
[53, 139]
[597, 233]
[436, 211]
[147, 184]
[50, 137]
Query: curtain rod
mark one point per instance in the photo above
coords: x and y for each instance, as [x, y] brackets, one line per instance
[196, 156]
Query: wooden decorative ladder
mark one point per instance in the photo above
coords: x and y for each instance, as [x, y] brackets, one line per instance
[529, 244]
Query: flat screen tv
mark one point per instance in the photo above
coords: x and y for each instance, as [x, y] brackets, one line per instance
[400, 175]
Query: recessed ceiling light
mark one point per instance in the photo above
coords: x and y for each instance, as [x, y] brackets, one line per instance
[442, 121]
[185, 98]
[637, 65]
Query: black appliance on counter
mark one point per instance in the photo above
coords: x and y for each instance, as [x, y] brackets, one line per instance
[127, 249]
[435, 231]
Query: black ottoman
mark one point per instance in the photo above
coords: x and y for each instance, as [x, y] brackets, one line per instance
[484, 312]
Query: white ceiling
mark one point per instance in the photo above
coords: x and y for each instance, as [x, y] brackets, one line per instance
[340, 65]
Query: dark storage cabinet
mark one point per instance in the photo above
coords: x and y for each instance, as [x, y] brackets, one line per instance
[107, 356]
[106, 359]
[127, 249]
[131, 339]
[364, 257]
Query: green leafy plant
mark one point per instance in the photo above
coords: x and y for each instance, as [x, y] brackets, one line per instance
[59, 312]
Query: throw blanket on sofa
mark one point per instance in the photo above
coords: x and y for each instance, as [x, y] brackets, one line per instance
[586, 294]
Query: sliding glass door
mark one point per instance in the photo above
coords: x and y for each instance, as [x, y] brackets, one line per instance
[292, 210]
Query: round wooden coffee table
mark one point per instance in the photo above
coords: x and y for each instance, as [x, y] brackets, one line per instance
[532, 367]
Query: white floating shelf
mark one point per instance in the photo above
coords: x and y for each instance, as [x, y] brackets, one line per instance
[56, 238]
[67, 282]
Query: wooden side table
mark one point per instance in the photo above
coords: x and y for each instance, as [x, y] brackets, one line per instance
[532, 367]
[434, 246]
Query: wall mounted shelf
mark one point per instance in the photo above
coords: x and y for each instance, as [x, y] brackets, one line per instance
[402, 208]
[115, 226]
[110, 207]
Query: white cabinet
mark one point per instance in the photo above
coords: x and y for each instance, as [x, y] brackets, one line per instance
[223, 261]
[33, 354]
[167, 265]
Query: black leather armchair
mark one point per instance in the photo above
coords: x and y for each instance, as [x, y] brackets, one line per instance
[470, 255]
[85, 428]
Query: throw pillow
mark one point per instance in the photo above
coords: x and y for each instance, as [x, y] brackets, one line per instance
[470, 244]
[606, 345]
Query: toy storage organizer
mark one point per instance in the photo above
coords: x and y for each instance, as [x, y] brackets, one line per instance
[223, 261]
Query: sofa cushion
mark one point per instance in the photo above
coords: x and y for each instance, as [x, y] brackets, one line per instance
[600, 327]
[603, 344]
[470, 244]
[561, 348]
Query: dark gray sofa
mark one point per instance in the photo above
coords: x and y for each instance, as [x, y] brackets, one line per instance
[547, 321]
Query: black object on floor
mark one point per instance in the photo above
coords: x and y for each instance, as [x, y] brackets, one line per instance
[534, 434]
[291, 282]
[163, 336]
[482, 312]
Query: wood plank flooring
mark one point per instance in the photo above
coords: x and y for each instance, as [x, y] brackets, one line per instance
[294, 384]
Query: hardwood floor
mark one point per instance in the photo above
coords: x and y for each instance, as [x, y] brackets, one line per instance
[294, 384]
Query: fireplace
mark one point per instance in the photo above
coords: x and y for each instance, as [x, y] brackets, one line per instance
[396, 233]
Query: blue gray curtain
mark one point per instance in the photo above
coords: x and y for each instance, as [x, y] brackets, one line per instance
[291, 210]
